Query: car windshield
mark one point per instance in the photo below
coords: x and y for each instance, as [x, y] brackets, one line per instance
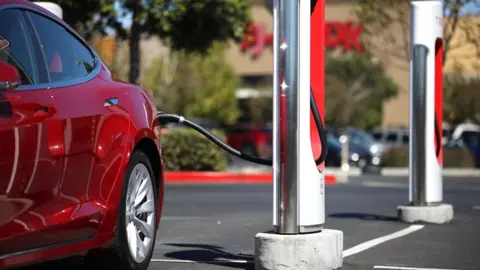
[365, 137]
[334, 141]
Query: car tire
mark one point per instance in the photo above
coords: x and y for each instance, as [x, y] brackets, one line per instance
[120, 256]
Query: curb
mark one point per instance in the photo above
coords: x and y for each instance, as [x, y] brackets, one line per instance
[447, 172]
[172, 177]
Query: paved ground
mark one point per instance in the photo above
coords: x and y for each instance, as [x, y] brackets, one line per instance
[205, 225]
[240, 165]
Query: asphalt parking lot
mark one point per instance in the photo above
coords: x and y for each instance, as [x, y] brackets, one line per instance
[213, 226]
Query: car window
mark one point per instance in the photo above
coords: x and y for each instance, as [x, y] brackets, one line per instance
[391, 137]
[16, 47]
[356, 139]
[363, 136]
[66, 57]
[333, 142]
[471, 138]
[446, 134]
[405, 138]
[377, 135]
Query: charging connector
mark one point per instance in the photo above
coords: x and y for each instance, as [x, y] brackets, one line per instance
[166, 118]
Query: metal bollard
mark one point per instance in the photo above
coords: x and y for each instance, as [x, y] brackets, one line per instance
[419, 81]
[345, 166]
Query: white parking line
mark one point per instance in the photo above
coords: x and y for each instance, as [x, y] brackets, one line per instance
[369, 244]
[183, 218]
[407, 268]
[384, 184]
[211, 262]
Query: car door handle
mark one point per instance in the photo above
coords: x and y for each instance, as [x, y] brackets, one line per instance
[41, 109]
[110, 102]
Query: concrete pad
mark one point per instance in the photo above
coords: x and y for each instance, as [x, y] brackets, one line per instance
[342, 177]
[438, 214]
[317, 251]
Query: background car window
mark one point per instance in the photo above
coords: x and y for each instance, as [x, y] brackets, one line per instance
[16, 48]
[67, 58]
[377, 135]
[391, 137]
[405, 138]
[471, 138]
[356, 139]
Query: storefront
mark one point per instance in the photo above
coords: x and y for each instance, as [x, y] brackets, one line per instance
[253, 60]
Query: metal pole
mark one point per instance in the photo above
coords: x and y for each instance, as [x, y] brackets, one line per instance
[288, 67]
[277, 25]
[418, 140]
[344, 153]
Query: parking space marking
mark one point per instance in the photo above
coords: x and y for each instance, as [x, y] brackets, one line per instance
[380, 184]
[407, 268]
[184, 218]
[207, 262]
[377, 241]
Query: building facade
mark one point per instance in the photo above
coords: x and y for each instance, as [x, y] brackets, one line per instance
[252, 59]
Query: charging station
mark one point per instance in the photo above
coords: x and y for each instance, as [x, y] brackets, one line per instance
[52, 7]
[426, 99]
[300, 205]
[299, 239]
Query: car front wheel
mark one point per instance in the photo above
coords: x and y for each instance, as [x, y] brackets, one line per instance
[136, 225]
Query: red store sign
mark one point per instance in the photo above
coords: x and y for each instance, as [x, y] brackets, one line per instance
[345, 35]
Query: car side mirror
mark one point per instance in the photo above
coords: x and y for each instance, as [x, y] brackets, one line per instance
[9, 77]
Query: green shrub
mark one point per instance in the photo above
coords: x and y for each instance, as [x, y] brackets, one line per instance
[188, 150]
[452, 158]
[395, 157]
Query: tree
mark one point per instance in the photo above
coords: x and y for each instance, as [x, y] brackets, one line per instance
[85, 16]
[356, 87]
[380, 18]
[189, 25]
[383, 20]
[195, 84]
[463, 95]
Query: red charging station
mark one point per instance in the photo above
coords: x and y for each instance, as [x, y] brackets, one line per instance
[299, 237]
[439, 97]
[317, 71]
[426, 99]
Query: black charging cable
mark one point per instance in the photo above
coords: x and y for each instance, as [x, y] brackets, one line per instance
[166, 118]
[320, 129]
[437, 137]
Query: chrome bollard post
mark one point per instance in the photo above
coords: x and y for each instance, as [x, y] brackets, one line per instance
[287, 39]
[418, 123]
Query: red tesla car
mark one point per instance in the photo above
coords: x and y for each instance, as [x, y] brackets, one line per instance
[80, 164]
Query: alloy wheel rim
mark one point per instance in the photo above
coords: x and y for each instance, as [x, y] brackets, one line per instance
[140, 213]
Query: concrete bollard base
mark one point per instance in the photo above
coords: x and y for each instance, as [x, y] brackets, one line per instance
[317, 251]
[437, 214]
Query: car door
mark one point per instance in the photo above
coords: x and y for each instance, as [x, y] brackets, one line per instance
[28, 170]
[93, 112]
[471, 140]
